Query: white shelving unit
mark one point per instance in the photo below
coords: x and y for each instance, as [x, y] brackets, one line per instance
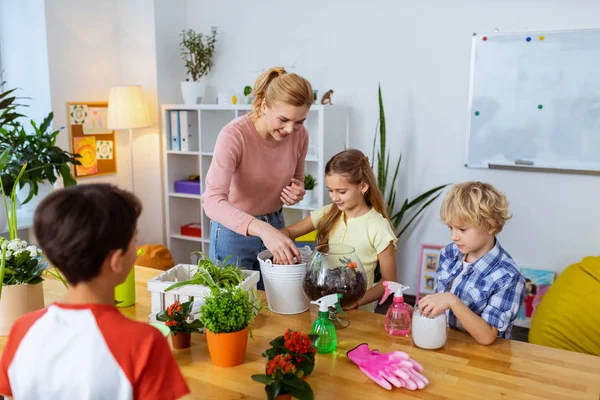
[328, 134]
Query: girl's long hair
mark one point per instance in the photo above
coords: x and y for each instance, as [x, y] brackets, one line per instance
[355, 166]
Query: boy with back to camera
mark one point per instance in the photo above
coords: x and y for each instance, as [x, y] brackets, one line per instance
[478, 284]
[82, 347]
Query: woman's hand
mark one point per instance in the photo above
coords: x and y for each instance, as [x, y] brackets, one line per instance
[435, 304]
[293, 193]
[282, 247]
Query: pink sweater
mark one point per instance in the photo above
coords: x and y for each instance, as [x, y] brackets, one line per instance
[248, 173]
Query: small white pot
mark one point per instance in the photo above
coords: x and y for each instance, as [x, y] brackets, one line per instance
[307, 201]
[44, 190]
[193, 92]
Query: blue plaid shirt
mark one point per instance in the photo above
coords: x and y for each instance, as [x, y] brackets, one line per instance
[492, 287]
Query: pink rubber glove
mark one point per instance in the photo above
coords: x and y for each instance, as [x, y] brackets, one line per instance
[394, 368]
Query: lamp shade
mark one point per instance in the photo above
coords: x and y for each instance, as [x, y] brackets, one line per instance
[127, 108]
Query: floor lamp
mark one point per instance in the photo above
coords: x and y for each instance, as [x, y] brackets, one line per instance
[127, 109]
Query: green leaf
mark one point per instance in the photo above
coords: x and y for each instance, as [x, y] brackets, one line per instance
[262, 378]
[419, 212]
[65, 172]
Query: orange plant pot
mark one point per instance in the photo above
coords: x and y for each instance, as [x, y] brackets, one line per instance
[18, 300]
[227, 349]
[181, 340]
[286, 396]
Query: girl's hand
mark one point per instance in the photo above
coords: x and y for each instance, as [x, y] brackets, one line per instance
[293, 193]
[435, 304]
[352, 307]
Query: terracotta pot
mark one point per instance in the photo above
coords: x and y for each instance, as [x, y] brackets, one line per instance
[227, 349]
[18, 300]
[286, 396]
[181, 340]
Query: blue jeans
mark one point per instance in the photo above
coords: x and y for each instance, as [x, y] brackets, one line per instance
[243, 249]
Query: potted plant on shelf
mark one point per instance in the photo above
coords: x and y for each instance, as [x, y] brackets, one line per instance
[300, 346]
[309, 185]
[281, 381]
[247, 94]
[197, 51]
[176, 317]
[227, 314]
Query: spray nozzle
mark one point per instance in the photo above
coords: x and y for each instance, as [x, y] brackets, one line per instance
[392, 287]
[326, 301]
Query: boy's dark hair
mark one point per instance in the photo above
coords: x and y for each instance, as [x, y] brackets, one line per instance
[79, 226]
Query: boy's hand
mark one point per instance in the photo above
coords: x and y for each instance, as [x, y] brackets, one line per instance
[435, 304]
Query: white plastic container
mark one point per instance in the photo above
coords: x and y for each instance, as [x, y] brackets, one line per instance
[161, 299]
[428, 333]
[283, 283]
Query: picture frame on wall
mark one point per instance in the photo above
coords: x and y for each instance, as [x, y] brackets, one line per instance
[90, 137]
[428, 263]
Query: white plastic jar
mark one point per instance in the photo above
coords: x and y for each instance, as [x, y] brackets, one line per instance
[428, 333]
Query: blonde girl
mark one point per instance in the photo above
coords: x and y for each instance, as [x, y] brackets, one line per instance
[356, 217]
[257, 167]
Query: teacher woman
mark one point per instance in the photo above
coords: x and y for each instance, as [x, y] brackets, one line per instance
[258, 166]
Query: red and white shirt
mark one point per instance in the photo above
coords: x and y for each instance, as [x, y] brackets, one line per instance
[87, 352]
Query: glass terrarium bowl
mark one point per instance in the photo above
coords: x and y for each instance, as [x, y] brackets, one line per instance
[335, 268]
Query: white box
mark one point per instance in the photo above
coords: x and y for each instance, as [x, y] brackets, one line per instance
[161, 299]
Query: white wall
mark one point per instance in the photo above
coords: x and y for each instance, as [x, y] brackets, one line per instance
[24, 55]
[93, 46]
[420, 52]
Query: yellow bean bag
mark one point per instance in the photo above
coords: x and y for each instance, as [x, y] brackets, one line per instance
[569, 315]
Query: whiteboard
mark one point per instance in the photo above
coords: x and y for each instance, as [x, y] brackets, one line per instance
[534, 101]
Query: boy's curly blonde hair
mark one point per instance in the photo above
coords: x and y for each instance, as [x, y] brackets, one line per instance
[475, 204]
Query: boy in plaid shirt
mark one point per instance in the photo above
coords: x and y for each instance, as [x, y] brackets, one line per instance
[478, 284]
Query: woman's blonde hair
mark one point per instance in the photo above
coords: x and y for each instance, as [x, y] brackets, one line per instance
[355, 166]
[276, 85]
[475, 204]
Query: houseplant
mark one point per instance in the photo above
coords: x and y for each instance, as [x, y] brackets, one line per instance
[381, 169]
[281, 381]
[176, 318]
[213, 275]
[227, 314]
[248, 94]
[45, 161]
[309, 185]
[197, 51]
[297, 344]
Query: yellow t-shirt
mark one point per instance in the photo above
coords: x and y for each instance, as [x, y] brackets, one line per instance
[369, 234]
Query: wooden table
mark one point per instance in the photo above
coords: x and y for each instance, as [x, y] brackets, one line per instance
[462, 370]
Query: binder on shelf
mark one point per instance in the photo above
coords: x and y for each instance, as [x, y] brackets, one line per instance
[189, 131]
[175, 131]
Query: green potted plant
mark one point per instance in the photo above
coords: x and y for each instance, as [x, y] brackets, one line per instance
[281, 380]
[248, 94]
[213, 275]
[227, 315]
[197, 52]
[176, 317]
[309, 185]
[45, 161]
[380, 165]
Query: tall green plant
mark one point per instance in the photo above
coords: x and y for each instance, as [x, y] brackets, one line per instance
[382, 168]
[197, 51]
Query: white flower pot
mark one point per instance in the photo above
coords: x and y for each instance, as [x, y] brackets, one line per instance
[44, 190]
[193, 92]
[18, 300]
[307, 201]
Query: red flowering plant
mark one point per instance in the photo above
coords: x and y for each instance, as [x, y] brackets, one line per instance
[176, 317]
[280, 378]
[298, 345]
